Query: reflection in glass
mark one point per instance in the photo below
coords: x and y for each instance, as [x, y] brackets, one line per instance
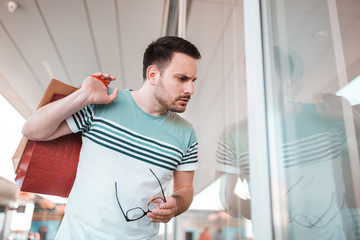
[351, 91]
[233, 164]
[311, 221]
[315, 159]
[316, 155]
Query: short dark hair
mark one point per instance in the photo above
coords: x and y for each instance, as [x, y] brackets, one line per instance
[160, 52]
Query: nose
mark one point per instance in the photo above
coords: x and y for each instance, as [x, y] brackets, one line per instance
[189, 87]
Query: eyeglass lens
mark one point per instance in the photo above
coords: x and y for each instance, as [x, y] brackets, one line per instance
[137, 213]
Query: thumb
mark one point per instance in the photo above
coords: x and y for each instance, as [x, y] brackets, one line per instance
[113, 95]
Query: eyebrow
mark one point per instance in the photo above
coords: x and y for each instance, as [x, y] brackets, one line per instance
[185, 76]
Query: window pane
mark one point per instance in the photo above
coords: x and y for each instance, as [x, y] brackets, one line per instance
[314, 53]
[221, 206]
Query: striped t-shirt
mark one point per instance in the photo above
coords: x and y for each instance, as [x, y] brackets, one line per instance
[121, 143]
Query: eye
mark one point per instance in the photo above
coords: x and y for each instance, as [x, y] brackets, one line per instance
[183, 78]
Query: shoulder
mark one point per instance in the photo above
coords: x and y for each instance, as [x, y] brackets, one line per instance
[235, 136]
[236, 130]
[180, 122]
[120, 100]
[121, 93]
[181, 129]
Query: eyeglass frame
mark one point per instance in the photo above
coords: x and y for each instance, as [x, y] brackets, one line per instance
[144, 212]
[318, 221]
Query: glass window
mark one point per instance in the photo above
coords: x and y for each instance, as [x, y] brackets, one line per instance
[221, 207]
[313, 61]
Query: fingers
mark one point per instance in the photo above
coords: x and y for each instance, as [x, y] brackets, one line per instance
[165, 211]
[105, 78]
[105, 82]
[161, 215]
[98, 74]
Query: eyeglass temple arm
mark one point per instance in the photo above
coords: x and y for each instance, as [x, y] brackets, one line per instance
[162, 190]
[117, 198]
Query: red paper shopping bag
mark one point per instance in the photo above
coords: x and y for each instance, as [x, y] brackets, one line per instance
[48, 167]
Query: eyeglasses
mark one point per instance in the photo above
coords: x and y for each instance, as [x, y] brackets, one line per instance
[136, 213]
[313, 221]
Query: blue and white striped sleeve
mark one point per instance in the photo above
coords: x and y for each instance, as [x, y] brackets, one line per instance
[81, 121]
[190, 159]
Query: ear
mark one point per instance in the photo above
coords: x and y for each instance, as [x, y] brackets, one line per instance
[152, 75]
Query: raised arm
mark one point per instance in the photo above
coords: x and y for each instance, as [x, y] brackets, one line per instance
[179, 201]
[48, 122]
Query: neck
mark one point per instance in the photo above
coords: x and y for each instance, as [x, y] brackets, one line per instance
[146, 101]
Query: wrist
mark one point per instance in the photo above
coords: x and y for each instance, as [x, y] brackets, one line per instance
[83, 98]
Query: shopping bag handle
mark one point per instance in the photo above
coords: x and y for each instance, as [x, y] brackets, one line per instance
[102, 80]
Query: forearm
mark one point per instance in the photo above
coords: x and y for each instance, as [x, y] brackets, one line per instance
[179, 201]
[47, 119]
[46, 122]
[236, 206]
[230, 201]
[184, 197]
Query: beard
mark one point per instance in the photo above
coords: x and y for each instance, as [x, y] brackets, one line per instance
[167, 101]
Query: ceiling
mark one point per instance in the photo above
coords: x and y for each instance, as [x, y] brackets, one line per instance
[70, 39]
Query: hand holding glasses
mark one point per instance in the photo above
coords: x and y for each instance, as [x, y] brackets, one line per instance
[136, 213]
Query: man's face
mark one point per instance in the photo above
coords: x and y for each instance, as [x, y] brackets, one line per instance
[176, 84]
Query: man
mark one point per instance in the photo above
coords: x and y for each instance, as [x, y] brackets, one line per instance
[133, 145]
